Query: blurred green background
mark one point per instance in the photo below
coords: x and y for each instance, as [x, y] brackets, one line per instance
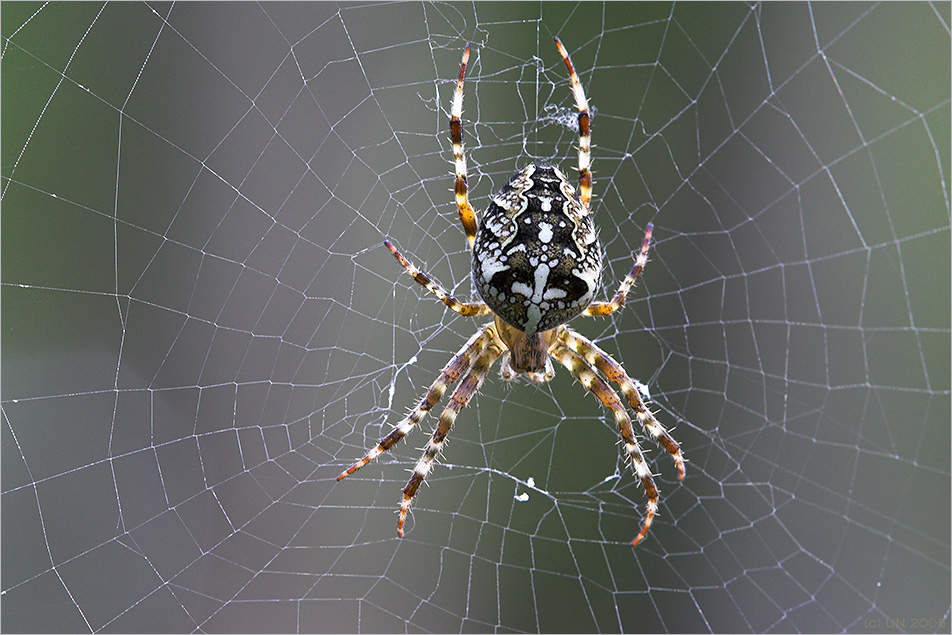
[201, 329]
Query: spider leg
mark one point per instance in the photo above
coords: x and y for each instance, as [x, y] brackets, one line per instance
[615, 372]
[607, 308]
[461, 362]
[434, 287]
[466, 214]
[467, 387]
[584, 131]
[590, 378]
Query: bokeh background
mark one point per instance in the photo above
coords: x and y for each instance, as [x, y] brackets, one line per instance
[201, 329]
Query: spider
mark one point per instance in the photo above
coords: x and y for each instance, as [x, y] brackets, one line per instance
[536, 264]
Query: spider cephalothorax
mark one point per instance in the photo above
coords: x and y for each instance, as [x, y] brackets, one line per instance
[537, 264]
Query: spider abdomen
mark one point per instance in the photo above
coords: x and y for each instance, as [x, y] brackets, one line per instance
[536, 261]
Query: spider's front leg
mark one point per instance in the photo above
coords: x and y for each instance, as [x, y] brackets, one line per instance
[467, 387]
[462, 362]
[590, 378]
[599, 359]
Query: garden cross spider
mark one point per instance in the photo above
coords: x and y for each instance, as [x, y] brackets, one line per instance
[537, 263]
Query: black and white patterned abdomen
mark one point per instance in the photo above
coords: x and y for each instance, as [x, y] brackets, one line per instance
[536, 261]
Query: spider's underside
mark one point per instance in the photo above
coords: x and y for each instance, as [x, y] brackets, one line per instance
[537, 264]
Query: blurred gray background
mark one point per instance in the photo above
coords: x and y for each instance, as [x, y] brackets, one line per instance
[201, 329]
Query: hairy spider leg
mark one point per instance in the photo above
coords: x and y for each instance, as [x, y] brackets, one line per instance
[461, 363]
[584, 131]
[609, 398]
[615, 372]
[434, 287]
[463, 392]
[466, 214]
[607, 308]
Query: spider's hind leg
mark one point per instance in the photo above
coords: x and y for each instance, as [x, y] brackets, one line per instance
[466, 215]
[584, 130]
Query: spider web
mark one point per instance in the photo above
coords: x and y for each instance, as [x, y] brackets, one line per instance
[201, 328]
